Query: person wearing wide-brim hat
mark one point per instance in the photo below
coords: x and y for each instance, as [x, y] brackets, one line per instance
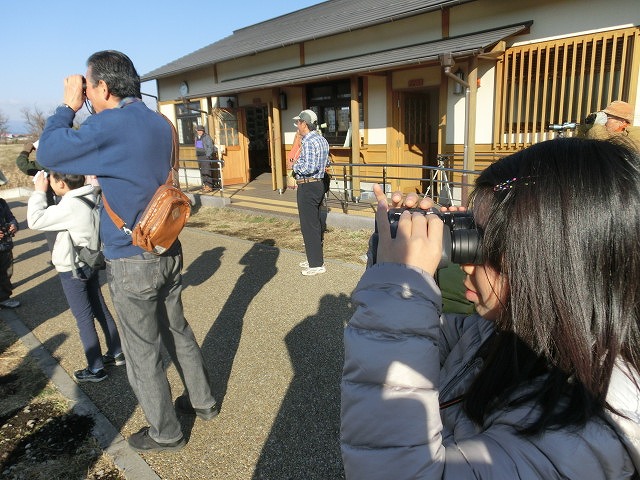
[614, 121]
[619, 116]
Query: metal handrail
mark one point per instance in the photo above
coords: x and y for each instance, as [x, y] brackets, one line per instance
[437, 181]
[184, 168]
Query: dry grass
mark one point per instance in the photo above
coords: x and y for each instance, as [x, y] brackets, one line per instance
[8, 155]
[39, 437]
[341, 244]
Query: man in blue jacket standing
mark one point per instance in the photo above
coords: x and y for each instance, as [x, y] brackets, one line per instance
[128, 147]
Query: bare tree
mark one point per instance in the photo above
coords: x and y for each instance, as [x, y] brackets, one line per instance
[4, 120]
[35, 120]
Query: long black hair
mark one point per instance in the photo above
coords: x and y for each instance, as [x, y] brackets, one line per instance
[561, 221]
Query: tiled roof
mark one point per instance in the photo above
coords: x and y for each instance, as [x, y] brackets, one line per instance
[321, 20]
[416, 54]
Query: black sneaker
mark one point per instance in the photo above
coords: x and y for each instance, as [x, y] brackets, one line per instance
[183, 405]
[109, 360]
[87, 375]
[10, 303]
[142, 442]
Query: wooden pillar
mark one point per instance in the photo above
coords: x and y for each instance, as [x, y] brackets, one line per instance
[355, 135]
[275, 139]
[472, 79]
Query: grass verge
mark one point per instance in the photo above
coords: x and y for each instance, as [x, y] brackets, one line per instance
[40, 438]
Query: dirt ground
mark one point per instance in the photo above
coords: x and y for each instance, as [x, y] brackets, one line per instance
[39, 437]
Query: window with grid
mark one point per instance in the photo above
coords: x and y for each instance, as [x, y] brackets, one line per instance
[563, 81]
[187, 116]
[332, 103]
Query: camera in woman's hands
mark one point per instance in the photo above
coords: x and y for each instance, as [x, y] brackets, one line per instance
[461, 240]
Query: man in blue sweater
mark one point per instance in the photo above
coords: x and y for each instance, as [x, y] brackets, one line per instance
[128, 147]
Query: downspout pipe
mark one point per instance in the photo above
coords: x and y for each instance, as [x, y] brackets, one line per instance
[465, 157]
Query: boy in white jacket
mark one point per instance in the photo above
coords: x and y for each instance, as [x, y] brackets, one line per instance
[77, 224]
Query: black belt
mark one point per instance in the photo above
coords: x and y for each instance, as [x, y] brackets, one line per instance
[307, 180]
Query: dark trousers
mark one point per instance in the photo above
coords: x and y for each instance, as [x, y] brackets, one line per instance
[310, 197]
[6, 271]
[209, 173]
[86, 303]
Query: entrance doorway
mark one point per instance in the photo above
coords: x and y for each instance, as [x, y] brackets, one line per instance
[413, 126]
[258, 136]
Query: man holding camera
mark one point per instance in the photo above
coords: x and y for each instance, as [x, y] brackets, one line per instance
[309, 171]
[128, 147]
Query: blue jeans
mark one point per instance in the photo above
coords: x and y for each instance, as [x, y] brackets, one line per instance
[146, 290]
[86, 303]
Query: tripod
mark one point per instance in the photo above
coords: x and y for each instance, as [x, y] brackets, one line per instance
[445, 196]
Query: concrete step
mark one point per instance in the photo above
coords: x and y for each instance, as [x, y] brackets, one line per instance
[264, 201]
[251, 204]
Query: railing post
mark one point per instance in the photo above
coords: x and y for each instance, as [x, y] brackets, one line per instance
[384, 179]
[345, 190]
[219, 162]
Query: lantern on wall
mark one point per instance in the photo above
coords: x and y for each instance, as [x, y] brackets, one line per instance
[282, 101]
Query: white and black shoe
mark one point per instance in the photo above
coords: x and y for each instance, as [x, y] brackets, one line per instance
[310, 271]
[86, 375]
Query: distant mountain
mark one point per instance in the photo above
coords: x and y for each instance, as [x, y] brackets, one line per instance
[16, 127]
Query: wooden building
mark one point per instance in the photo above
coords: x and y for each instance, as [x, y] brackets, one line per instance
[401, 82]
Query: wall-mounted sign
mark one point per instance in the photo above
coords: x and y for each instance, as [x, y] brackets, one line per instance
[416, 82]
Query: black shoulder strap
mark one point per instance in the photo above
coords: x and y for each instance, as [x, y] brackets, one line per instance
[88, 202]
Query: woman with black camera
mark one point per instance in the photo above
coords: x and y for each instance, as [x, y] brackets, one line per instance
[543, 382]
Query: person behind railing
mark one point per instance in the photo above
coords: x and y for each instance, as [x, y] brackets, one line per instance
[544, 381]
[207, 153]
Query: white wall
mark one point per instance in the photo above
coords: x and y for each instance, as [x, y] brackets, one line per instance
[199, 81]
[400, 33]
[376, 110]
[485, 102]
[271, 60]
[551, 18]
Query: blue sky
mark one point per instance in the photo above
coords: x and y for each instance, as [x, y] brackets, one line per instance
[43, 41]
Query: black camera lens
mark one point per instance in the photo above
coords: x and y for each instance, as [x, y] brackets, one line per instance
[461, 240]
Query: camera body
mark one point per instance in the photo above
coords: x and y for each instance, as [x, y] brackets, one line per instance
[6, 242]
[461, 240]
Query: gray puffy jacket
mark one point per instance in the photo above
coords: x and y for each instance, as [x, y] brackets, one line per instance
[402, 359]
